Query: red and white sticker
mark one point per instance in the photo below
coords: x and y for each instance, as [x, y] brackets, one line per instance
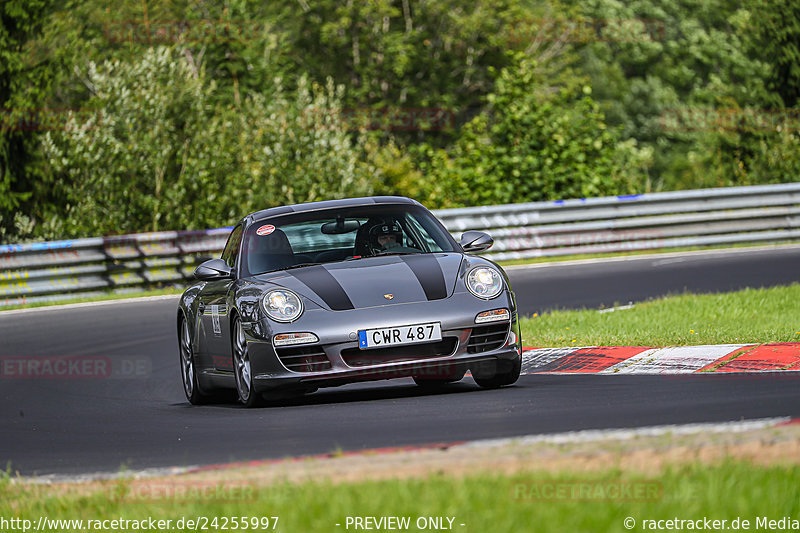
[265, 230]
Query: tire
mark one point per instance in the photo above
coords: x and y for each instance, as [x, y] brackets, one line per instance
[241, 367]
[433, 383]
[500, 379]
[191, 387]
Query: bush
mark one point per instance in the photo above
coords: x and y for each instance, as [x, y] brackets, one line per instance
[158, 155]
[535, 142]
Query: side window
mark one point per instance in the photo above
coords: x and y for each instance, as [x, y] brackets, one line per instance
[417, 229]
[231, 251]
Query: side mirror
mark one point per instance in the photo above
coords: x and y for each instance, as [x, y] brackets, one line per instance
[213, 269]
[476, 241]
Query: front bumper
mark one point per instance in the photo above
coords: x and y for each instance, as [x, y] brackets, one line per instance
[337, 360]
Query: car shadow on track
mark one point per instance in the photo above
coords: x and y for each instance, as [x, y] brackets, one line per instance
[355, 393]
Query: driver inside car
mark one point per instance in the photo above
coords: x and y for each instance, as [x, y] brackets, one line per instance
[385, 236]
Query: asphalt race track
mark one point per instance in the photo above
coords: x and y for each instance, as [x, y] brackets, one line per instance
[138, 417]
[635, 279]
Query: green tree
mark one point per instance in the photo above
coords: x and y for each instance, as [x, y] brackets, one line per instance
[158, 153]
[675, 57]
[535, 142]
[776, 36]
[24, 82]
[400, 53]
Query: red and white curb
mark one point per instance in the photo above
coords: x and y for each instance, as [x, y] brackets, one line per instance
[676, 360]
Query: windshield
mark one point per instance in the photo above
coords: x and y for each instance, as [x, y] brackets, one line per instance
[341, 234]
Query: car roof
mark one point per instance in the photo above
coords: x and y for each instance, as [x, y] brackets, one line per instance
[330, 204]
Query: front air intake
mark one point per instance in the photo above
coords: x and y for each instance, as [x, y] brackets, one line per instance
[304, 358]
[487, 338]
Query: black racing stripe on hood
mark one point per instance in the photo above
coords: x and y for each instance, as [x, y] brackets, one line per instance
[429, 274]
[318, 279]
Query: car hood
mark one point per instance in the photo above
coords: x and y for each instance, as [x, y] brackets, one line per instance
[373, 281]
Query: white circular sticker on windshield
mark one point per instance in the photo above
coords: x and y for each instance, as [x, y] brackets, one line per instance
[265, 230]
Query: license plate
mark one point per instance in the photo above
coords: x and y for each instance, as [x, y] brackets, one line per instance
[413, 334]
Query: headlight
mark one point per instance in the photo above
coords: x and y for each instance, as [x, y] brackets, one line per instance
[484, 282]
[282, 305]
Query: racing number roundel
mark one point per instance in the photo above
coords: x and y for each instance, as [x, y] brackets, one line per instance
[265, 230]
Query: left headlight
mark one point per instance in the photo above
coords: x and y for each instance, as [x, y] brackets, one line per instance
[282, 305]
[484, 282]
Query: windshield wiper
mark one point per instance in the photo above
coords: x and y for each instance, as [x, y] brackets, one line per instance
[299, 265]
[390, 252]
[386, 252]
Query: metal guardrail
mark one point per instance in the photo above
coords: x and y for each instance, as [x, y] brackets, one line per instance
[760, 214]
[704, 217]
[49, 271]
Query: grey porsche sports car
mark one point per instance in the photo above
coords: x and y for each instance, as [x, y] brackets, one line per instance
[328, 293]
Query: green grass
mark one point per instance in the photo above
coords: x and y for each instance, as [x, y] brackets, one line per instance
[748, 316]
[485, 502]
[97, 298]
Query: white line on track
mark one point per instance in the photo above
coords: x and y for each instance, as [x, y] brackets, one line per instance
[66, 307]
[625, 434]
[658, 256]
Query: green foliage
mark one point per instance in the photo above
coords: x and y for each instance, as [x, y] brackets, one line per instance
[156, 154]
[725, 158]
[776, 33]
[535, 142]
[123, 162]
[400, 53]
[201, 110]
[395, 171]
[23, 83]
[696, 56]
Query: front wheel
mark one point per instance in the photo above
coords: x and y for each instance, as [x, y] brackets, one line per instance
[188, 369]
[505, 373]
[241, 367]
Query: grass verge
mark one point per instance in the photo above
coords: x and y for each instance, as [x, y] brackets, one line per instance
[534, 500]
[96, 298]
[748, 316]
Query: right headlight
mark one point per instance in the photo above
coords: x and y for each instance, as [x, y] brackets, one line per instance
[282, 305]
[484, 282]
